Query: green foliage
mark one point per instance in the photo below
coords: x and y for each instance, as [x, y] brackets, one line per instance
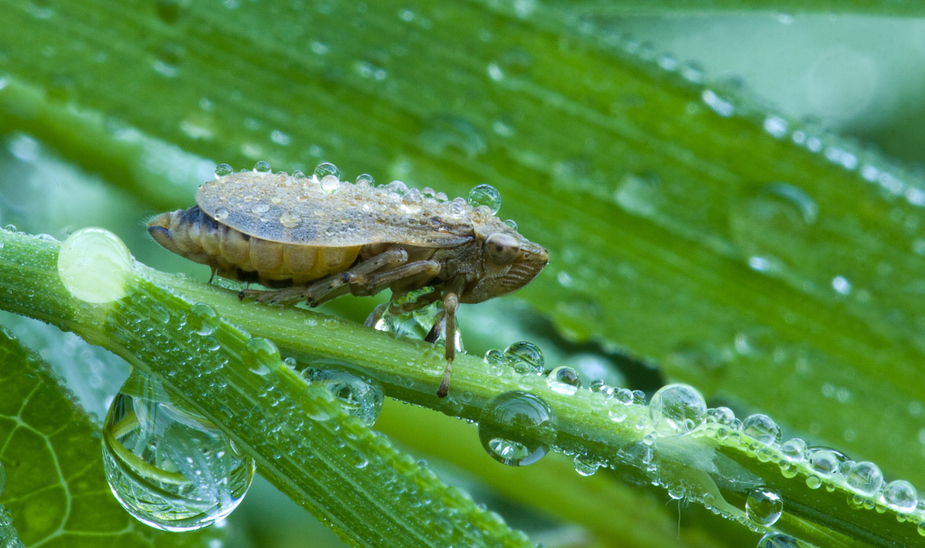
[688, 227]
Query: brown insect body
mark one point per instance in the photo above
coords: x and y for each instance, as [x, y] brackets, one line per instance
[323, 239]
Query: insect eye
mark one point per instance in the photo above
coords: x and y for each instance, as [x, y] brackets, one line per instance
[501, 248]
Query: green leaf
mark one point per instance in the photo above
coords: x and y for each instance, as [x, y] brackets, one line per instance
[50, 450]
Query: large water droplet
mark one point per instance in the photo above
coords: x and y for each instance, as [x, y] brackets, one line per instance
[525, 357]
[517, 428]
[222, 170]
[761, 428]
[586, 466]
[676, 409]
[168, 466]
[824, 462]
[357, 397]
[779, 540]
[564, 380]
[326, 169]
[261, 355]
[95, 266]
[865, 478]
[764, 506]
[203, 319]
[901, 496]
[485, 195]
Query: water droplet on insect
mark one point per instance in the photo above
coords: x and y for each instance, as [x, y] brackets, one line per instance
[262, 167]
[325, 169]
[779, 540]
[330, 184]
[290, 219]
[365, 179]
[564, 380]
[764, 506]
[865, 478]
[517, 428]
[485, 195]
[95, 266]
[220, 214]
[260, 208]
[525, 357]
[222, 170]
[900, 495]
[397, 187]
[357, 397]
[261, 355]
[168, 466]
[511, 223]
[676, 409]
[761, 428]
[585, 465]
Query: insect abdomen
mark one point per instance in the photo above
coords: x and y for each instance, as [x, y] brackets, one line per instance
[192, 234]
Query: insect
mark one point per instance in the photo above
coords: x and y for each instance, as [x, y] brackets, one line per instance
[315, 240]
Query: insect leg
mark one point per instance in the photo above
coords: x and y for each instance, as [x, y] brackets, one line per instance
[450, 304]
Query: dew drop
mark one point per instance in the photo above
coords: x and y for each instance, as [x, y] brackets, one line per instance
[365, 179]
[517, 428]
[720, 415]
[900, 495]
[485, 195]
[764, 506]
[95, 266]
[511, 223]
[441, 134]
[761, 428]
[261, 355]
[357, 397]
[779, 540]
[220, 214]
[794, 449]
[676, 409]
[222, 170]
[262, 167]
[525, 357]
[326, 169]
[824, 462]
[564, 380]
[203, 319]
[290, 219]
[865, 478]
[169, 467]
[586, 466]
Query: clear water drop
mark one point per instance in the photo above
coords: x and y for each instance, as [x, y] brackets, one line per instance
[676, 409]
[366, 179]
[326, 169]
[564, 380]
[761, 428]
[262, 167]
[525, 357]
[485, 195]
[517, 428]
[900, 495]
[824, 462]
[586, 466]
[865, 478]
[169, 467]
[222, 170]
[779, 540]
[261, 355]
[203, 319]
[794, 449]
[357, 397]
[764, 506]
